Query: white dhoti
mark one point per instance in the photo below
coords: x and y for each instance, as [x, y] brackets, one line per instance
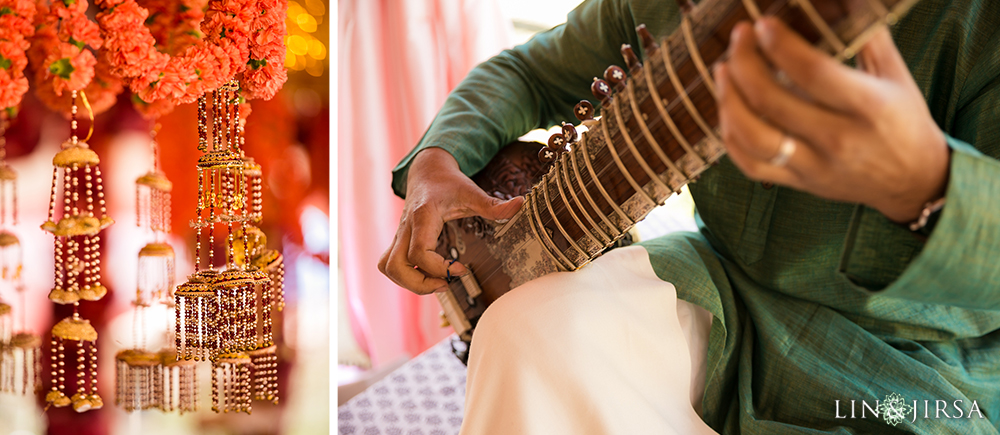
[608, 349]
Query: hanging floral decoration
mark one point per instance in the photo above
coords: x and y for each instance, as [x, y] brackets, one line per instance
[59, 52]
[175, 25]
[266, 68]
[62, 62]
[16, 28]
[224, 51]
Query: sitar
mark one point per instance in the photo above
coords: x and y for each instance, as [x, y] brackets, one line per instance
[656, 133]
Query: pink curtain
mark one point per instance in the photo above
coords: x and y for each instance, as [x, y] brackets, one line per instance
[397, 62]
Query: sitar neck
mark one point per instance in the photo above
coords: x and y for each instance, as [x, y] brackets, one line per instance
[658, 127]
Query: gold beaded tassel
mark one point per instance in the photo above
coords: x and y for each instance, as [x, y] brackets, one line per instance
[6, 352]
[74, 334]
[231, 383]
[179, 384]
[265, 360]
[136, 380]
[19, 349]
[22, 364]
[254, 177]
[10, 246]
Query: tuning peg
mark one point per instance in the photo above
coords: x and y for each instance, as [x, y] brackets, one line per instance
[557, 141]
[614, 75]
[648, 43]
[600, 89]
[547, 154]
[569, 132]
[584, 110]
[686, 6]
[630, 58]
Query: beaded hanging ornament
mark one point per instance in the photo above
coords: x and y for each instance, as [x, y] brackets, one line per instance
[76, 184]
[180, 383]
[10, 246]
[156, 259]
[217, 309]
[19, 349]
[20, 364]
[138, 380]
[146, 379]
[231, 383]
[74, 334]
[268, 297]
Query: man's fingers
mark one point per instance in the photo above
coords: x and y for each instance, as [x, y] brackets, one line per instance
[813, 71]
[494, 208]
[402, 272]
[752, 143]
[881, 58]
[427, 226]
[762, 93]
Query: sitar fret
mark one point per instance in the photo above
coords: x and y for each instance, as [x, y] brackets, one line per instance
[590, 200]
[562, 194]
[605, 127]
[562, 230]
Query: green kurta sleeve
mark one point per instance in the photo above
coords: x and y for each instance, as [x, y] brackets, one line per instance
[960, 263]
[535, 84]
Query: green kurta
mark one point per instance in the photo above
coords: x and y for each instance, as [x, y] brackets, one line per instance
[814, 301]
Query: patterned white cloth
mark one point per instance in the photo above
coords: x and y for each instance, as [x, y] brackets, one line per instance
[423, 397]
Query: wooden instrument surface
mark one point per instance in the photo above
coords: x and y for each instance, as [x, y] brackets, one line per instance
[657, 133]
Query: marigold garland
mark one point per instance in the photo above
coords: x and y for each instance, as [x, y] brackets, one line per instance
[16, 29]
[175, 26]
[224, 51]
[102, 92]
[266, 69]
[174, 23]
[62, 62]
[58, 51]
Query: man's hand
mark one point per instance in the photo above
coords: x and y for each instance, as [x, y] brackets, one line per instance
[436, 192]
[861, 136]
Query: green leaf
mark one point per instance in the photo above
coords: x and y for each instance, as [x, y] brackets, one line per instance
[11, 112]
[62, 68]
[6, 11]
[68, 3]
[256, 64]
[184, 8]
[78, 44]
[4, 62]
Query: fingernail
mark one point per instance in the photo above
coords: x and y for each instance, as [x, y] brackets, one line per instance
[764, 29]
[734, 36]
[719, 73]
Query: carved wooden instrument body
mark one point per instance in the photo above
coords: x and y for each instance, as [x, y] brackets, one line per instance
[656, 134]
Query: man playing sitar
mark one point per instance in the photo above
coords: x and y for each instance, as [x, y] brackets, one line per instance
[847, 246]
